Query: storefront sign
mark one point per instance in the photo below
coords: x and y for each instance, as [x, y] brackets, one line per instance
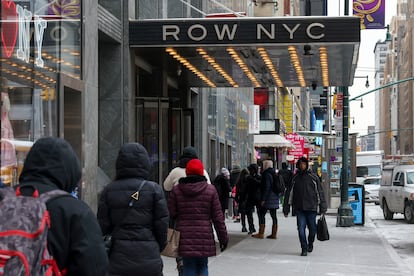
[299, 143]
[254, 120]
[16, 23]
[243, 31]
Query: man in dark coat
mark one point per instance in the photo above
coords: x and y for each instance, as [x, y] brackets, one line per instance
[306, 195]
[196, 206]
[74, 239]
[139, 224]
[253, 194]
[286, 174]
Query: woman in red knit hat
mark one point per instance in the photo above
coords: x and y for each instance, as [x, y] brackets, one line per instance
[195, 206]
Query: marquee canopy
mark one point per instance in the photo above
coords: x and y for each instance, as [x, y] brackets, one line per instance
[252, 51]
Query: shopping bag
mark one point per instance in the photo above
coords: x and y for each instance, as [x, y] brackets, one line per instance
[322, 233]
[173, 242]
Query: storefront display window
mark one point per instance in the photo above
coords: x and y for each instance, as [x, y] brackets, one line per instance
[40, 39]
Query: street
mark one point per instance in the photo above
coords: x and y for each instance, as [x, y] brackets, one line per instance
[396, 232]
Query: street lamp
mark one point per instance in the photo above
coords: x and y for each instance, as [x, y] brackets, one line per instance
[345, 215]
[381, 87]
[363, 77]
[360, 100]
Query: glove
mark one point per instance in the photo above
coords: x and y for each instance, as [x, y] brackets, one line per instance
[223, 246]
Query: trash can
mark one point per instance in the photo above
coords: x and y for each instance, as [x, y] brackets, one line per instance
[356, 197]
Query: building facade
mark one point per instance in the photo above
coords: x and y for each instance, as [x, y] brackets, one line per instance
[72, 70]
[396, 102]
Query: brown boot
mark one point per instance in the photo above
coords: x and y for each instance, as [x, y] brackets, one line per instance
[274, 232]
[260, 235]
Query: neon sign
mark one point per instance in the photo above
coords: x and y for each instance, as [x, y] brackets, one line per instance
[16, 22]
[9, 26]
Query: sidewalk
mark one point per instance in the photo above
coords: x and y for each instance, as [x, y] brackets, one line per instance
[357, 250]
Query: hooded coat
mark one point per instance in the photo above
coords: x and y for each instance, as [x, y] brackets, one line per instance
[74, 238]
[196, 206]
[139, 231]
[306, 192]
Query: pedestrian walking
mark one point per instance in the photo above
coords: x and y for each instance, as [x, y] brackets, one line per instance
[241, 197]
[234, 176]
[221, 182]
[305, 195]
[287, 175]
[74, 238]
[253, 195]
[195, 206]
[134, 210]
[189, 153]
[269, 201]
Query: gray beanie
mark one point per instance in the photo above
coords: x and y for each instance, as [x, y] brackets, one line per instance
[189, 152]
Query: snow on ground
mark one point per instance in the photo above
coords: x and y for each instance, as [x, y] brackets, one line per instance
[397, 232]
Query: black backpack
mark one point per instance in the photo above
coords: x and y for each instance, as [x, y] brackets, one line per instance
[278, 185]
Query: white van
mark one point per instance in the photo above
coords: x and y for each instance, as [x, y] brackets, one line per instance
[396, 193]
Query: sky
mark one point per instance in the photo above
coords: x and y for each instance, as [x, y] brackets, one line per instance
[365, 116]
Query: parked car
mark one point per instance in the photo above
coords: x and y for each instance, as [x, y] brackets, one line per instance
[396, 193]
[372, 185]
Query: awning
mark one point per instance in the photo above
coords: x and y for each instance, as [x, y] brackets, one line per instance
[272, 140]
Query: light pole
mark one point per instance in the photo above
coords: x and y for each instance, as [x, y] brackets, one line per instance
[363, 77]
[359, 97]
[381, 87]
[345, 215]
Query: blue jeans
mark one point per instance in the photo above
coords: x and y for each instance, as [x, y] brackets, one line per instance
[303, 219]
[195, 266]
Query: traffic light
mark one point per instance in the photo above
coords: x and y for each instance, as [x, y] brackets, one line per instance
[323, 99]
[334, 102]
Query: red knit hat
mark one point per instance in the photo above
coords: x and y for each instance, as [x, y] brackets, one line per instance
[194, 167]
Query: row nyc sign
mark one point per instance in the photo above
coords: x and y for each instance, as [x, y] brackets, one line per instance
[244, 31]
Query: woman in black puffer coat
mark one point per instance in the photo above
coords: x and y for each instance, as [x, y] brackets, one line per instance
[143, 222]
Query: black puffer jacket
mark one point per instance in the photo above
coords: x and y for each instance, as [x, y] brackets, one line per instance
[75, 239]
[142, 233]
[307, 192]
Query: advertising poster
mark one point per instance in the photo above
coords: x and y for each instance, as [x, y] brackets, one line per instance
[371, 13]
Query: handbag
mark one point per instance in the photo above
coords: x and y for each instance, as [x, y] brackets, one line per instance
[173, 243]
[322, 233]
[108, 239]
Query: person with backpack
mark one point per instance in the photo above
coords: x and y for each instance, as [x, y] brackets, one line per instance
[134, 211]
[305, 195]
[221, 182]
[269, 201]
[74, 239]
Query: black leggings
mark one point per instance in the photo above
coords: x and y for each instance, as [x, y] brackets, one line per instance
[261, 212]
